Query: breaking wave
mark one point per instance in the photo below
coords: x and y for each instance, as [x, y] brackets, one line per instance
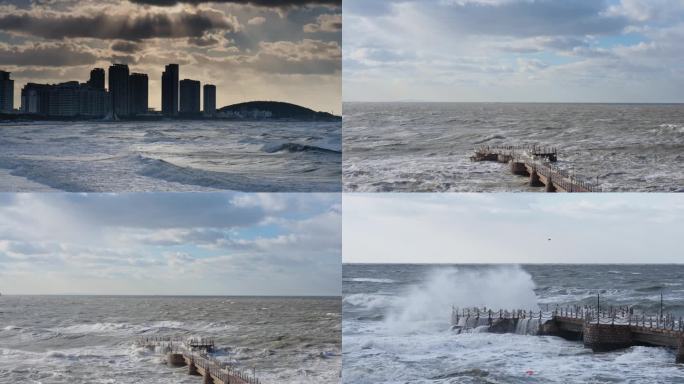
[296, 147]
[370, 280]
[424, 306]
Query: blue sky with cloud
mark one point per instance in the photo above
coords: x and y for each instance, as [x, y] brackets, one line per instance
[513, 50]
[170, 243]
[513, 228]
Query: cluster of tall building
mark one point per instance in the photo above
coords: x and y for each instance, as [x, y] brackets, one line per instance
[126, 95]
[183, 97]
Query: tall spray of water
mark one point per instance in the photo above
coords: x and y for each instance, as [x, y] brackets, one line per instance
[428, 305]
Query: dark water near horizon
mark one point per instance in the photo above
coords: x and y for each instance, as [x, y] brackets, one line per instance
[397, 317]
[260, 156]
[89, 339]
[425, 147]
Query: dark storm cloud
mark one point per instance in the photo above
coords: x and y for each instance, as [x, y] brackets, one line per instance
[204, 41]
[125, 46]
[304, 57]
[258, 3]
[46, 55]
[325, 23]
[276, 65]
[124, 27]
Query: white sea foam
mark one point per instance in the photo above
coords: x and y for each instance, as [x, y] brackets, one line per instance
[426, 147]
[370, 280]
[428, 305]
[375, 352]
[195, 156]
[368, 301]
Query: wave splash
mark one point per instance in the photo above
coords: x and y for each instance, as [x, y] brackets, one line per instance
[428, 306]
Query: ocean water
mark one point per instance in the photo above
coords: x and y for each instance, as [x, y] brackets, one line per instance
[170, 156]
[396, 323]
[422, 147]
[80, 339]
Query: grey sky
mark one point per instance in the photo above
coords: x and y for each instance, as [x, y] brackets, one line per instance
[513, 228]
[170, 243]
[513, 50]
[252, 50]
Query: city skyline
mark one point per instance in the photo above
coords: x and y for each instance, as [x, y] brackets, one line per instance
[250, 50]
[126, 95]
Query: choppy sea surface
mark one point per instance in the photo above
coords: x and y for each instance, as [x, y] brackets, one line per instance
[171, 156]
[396, 323]
[420, 147]
[80, 339]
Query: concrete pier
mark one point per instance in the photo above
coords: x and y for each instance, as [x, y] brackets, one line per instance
[607, 337]
[601, 331]
[537, 163]
[194, 353]
[680, 351]
[534, 179]
[175, 359]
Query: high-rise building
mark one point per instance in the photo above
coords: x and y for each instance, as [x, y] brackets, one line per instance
[209, 99]
[97, 78]
[189, 96]
[6, 93]
[118, 87]
[138, 93]
[170, 90]
[35, 98]
[65, 99]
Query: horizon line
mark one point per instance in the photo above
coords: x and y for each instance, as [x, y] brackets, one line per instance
[494, 263]
[164, 295]
[513, 102]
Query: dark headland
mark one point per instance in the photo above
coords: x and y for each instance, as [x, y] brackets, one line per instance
[277, 110]
[251, 110]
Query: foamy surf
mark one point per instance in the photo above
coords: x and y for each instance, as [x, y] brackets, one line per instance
[425, 147]
[290, 340]
[171, 156]
[410, 338]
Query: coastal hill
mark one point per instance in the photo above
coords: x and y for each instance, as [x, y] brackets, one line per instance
[275, 110]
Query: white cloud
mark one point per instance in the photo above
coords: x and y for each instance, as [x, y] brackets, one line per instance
[513, 50]
[217, 243]
[256, 20]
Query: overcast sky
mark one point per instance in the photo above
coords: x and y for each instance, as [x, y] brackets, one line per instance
[251, 49]
[170, 243]
[514, 50]
[513, 228]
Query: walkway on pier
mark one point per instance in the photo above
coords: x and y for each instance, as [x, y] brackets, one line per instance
[537, 163]
[600, 330]
[194, 353]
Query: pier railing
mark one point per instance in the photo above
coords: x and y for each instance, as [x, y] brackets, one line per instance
[189, 342]
[518, 149]
[195, 349]
[541, 160]
[220, 369]
[621, 315]
[560, 177]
